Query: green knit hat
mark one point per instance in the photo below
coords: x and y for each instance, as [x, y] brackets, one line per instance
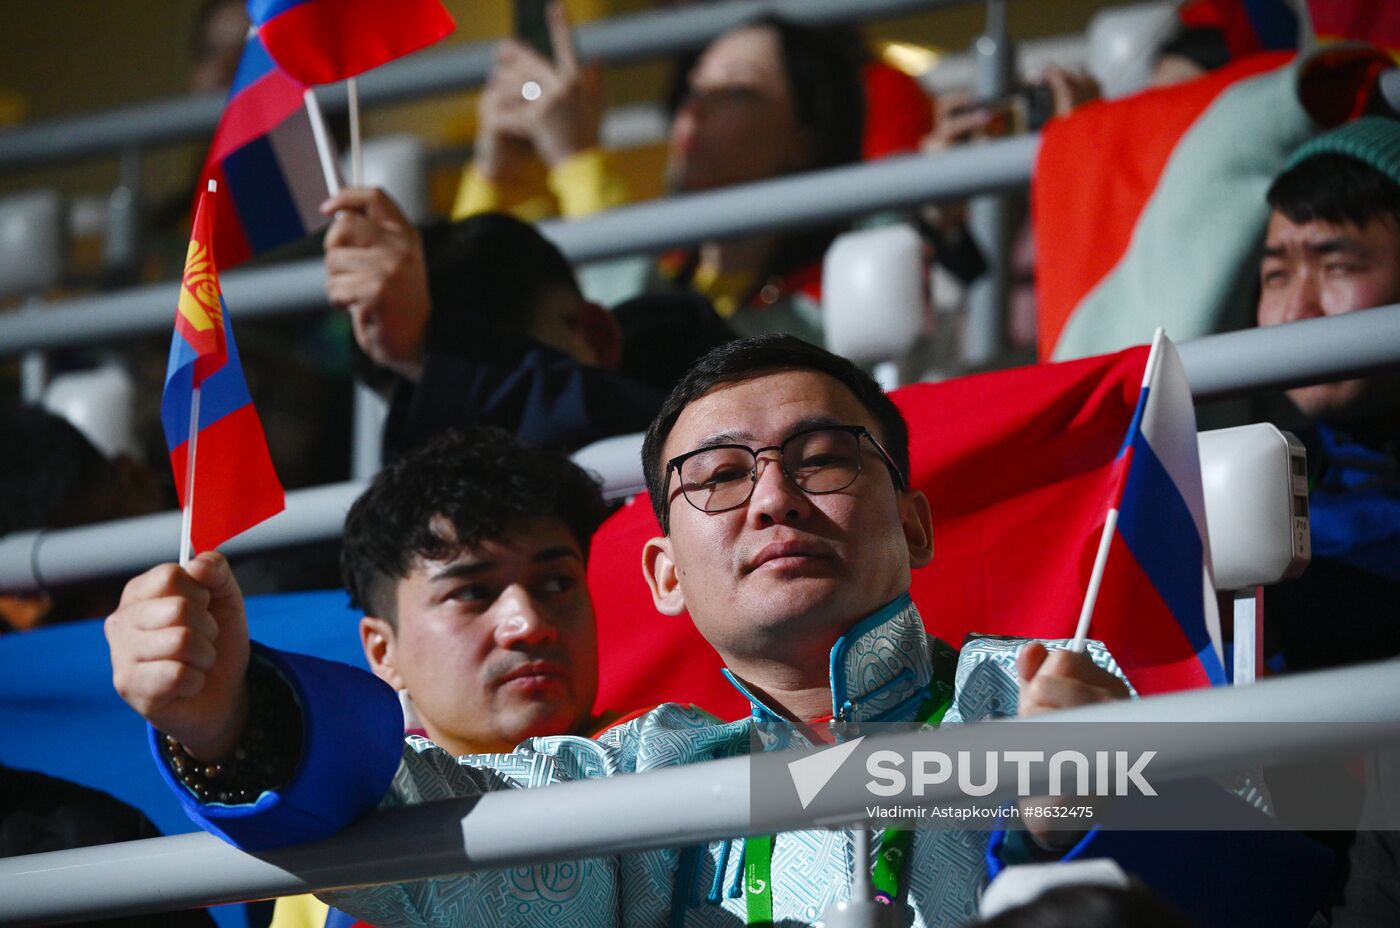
[1372, 140]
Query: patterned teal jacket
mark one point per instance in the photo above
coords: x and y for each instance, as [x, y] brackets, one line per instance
[881, 671]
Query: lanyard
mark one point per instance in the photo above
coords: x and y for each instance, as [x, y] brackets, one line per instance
[892, 854]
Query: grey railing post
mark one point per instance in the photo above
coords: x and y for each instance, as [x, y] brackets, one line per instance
[121, 250]
[367, 427]
[989, 217]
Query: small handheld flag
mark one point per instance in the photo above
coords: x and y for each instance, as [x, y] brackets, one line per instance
[265, 157]
[320, 41]
[1159, 589]
[211, 428]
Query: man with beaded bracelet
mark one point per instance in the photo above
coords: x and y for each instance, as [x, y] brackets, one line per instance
[467, 557]
[794, 572]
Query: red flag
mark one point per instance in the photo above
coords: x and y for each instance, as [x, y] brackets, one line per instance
[235, 484]
[1020, 468]
[320, 41]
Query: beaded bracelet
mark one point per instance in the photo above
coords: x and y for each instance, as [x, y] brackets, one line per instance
[264, 758]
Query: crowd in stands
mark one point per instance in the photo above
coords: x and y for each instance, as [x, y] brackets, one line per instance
[780, 477]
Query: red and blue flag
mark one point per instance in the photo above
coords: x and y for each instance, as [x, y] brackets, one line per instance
[264, 156]
[236, 484]
[320, 41]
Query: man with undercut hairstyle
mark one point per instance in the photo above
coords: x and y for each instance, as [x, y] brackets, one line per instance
[780, 473]
[467, 558]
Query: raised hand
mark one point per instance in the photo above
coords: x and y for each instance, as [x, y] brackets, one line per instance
[375, 270]
[179, 648]
[553, 107]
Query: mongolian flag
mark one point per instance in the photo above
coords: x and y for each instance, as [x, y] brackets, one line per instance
[1149, 210]
[235, 486]
[320, 41]
[1021, 468]
[264, 156]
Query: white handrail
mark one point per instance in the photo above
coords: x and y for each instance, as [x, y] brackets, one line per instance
[630, 813]
[804, 199]
[1217, 366]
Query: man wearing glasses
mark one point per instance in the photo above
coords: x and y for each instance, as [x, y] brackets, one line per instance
[778, 471]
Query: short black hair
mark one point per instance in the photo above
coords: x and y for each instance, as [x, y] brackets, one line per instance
[490, 270]
[477, 481]
[1337, 189]
[747, 358]
[47, 469]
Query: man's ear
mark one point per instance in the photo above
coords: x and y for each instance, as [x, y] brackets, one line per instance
[377, 638]
[659, 569]
[603, 334]
[916, 519]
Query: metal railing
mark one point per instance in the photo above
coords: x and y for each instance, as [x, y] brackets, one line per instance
[618, 40]
[642, 228]
[513, 828]
[1217, 367]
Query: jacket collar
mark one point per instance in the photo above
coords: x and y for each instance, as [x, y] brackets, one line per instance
[880, 669]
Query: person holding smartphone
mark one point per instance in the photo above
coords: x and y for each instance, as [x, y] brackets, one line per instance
[538, 113]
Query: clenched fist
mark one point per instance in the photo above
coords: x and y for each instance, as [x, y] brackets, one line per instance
[179, 645]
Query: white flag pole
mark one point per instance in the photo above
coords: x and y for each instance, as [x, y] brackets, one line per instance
[187, 516]
[187, 512]
[357, 161]
[1091, 595]
[323, 142]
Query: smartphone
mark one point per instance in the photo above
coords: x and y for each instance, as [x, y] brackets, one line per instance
[531, 26]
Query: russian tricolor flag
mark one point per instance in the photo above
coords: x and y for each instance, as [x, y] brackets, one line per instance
[264, 156]
[1157, 599]
[320, 41]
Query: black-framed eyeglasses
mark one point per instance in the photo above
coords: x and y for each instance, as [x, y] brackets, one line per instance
[824, 459]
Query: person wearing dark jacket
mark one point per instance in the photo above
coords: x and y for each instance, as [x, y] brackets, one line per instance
[481, 322]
